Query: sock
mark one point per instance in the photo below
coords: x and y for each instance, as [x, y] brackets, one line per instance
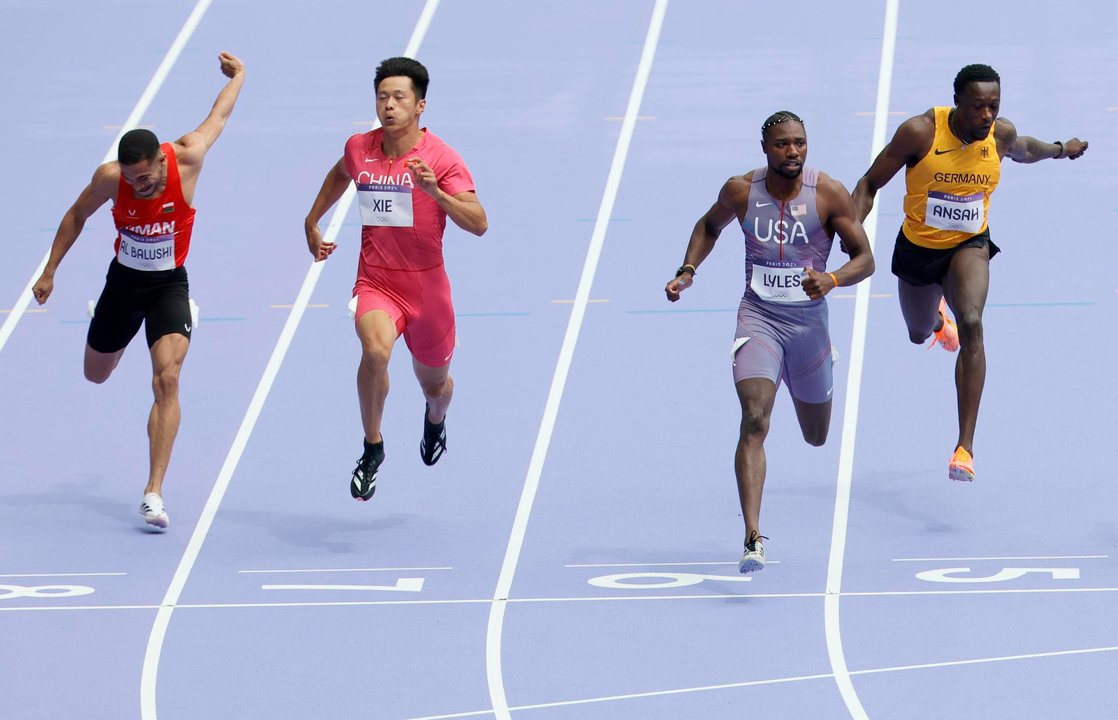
[374, 450]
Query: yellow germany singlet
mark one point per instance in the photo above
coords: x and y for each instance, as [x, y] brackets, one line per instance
[947, 193]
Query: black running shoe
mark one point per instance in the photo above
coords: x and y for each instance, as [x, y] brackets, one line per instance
[364, 482]
[433, 444]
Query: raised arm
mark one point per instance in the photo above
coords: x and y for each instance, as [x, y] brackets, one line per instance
[194, 145]
[1025, 149]
[706, 233]
[99, 190]
[333, 187]
[911, 142]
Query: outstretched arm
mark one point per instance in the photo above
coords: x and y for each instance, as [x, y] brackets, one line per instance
[845, 222]
[99, 190]
[195, 144]
[1025, 149]
[333, 187]
[706, 232]
[910, 143]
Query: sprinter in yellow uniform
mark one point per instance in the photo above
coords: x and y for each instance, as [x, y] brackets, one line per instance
[952, 157]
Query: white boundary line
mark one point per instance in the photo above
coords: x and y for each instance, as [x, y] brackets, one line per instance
[853, 393]
[201, 530]
[493, 668]
[164, 69]
[574, 599]
[342, 570]
[1035, 557]
[662, 564]
[88, 574]
[774, 681]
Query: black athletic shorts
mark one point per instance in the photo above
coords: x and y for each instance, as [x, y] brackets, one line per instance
[159, 299]
[922, 266]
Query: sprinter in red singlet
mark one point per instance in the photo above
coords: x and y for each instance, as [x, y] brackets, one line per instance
[408, 182]
[151, 186]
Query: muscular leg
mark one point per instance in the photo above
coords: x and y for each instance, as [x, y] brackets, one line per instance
[167, 355]
[377, 332]
[920, 307]
[98, 366]
[437, 386]
[965, 287]
[815, 421]
[757, 396]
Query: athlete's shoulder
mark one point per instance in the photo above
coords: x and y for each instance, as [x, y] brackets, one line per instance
[106, 178]
[1005, 130]
[736, 189]
[438, 149]
[364, 139]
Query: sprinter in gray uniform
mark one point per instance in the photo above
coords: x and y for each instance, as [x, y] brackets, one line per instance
[789, 214]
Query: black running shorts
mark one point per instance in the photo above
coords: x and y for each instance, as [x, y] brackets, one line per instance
[160, 300]
[922, 266]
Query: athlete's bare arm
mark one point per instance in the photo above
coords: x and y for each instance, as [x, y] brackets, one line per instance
[100, 189]
[732, 202]
[464, 208]
[836, 210]
[909, 145]
[191, 148]
[333, 187]
[1025, 149]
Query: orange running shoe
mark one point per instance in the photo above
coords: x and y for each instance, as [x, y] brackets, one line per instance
[961, 467]
[948, 334]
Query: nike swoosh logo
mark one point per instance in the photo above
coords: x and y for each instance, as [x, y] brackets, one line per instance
[371, 159]
[757, 204]
[944, 152]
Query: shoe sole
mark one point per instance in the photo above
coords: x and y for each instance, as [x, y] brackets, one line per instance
[160, 522]
[751, 565]
[959, 474]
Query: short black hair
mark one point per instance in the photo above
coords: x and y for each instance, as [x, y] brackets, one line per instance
[137, 146]
[776, 118]
[406, 67]
[975, 73]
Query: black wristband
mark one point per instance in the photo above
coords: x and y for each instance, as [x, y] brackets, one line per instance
[1061, 153]
[685, 269]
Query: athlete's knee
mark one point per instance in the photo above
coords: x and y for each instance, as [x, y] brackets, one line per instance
[97, 376]
[815, 436]
[439, 390]
[970, 327]
[918, 337]
[754, 424]
[375, 357]
[165, 384]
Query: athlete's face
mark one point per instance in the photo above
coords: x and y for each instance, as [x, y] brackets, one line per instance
[397, 105]
[976, 109]
[146, 177]
[786, 148]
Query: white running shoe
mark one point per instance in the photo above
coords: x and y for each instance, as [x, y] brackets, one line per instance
[753, 559]
[153, 511]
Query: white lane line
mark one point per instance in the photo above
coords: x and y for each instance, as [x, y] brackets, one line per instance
[142, 105]
[92, 574]
[661, 564]
[201, 530]
[585, 599]
[402, 585]
[493, 669]
[770, 681]
[344, 570]
[1031, 557]
[831, 613]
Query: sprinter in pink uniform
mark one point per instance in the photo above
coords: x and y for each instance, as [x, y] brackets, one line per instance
[408, 182]
[152, 187]
[789, 214]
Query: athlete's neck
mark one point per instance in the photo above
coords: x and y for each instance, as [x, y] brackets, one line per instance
[396, 143]
[780, 187]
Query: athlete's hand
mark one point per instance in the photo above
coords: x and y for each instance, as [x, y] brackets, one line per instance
[816, 284]
[677, 285]
[1074, 148]
[231, 65]
[320, 250]
[424, 176]
[43, 287]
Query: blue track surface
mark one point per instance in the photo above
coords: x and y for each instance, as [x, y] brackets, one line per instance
[612, 590]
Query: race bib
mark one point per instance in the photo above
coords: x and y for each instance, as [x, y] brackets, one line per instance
[778, 284]
[146, 252]
[385, 205]
[955, 212]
